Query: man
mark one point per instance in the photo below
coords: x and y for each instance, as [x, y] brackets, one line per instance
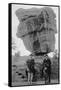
[47, 68]
[30, 69]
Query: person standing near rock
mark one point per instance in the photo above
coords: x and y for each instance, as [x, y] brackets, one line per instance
[30, 69]
[47, 68]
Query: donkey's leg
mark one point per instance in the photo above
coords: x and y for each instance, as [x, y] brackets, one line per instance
[31, 78]
[49, 79]
[46, 78]
[28, 77]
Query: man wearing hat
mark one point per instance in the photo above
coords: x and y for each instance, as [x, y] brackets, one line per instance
[30, 68]
[47, 68]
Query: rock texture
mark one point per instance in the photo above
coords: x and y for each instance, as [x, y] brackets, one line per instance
[37, 29]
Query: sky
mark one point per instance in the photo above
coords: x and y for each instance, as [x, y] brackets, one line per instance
[15, 23]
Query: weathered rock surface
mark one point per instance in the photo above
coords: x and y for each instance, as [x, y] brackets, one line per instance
[37, 29]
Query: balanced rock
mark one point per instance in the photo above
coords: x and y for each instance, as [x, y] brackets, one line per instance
[37, 29]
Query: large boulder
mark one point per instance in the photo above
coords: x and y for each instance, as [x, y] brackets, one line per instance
[37, 29]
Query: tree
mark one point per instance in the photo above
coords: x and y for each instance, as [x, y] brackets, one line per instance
[14, 46]
[56, 54]
[17, 54]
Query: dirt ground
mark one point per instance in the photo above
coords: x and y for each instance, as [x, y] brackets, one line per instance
[23, 83]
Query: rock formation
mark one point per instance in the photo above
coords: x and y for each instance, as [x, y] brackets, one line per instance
[37, 29]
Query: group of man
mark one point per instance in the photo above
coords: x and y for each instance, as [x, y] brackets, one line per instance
[46, 69]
